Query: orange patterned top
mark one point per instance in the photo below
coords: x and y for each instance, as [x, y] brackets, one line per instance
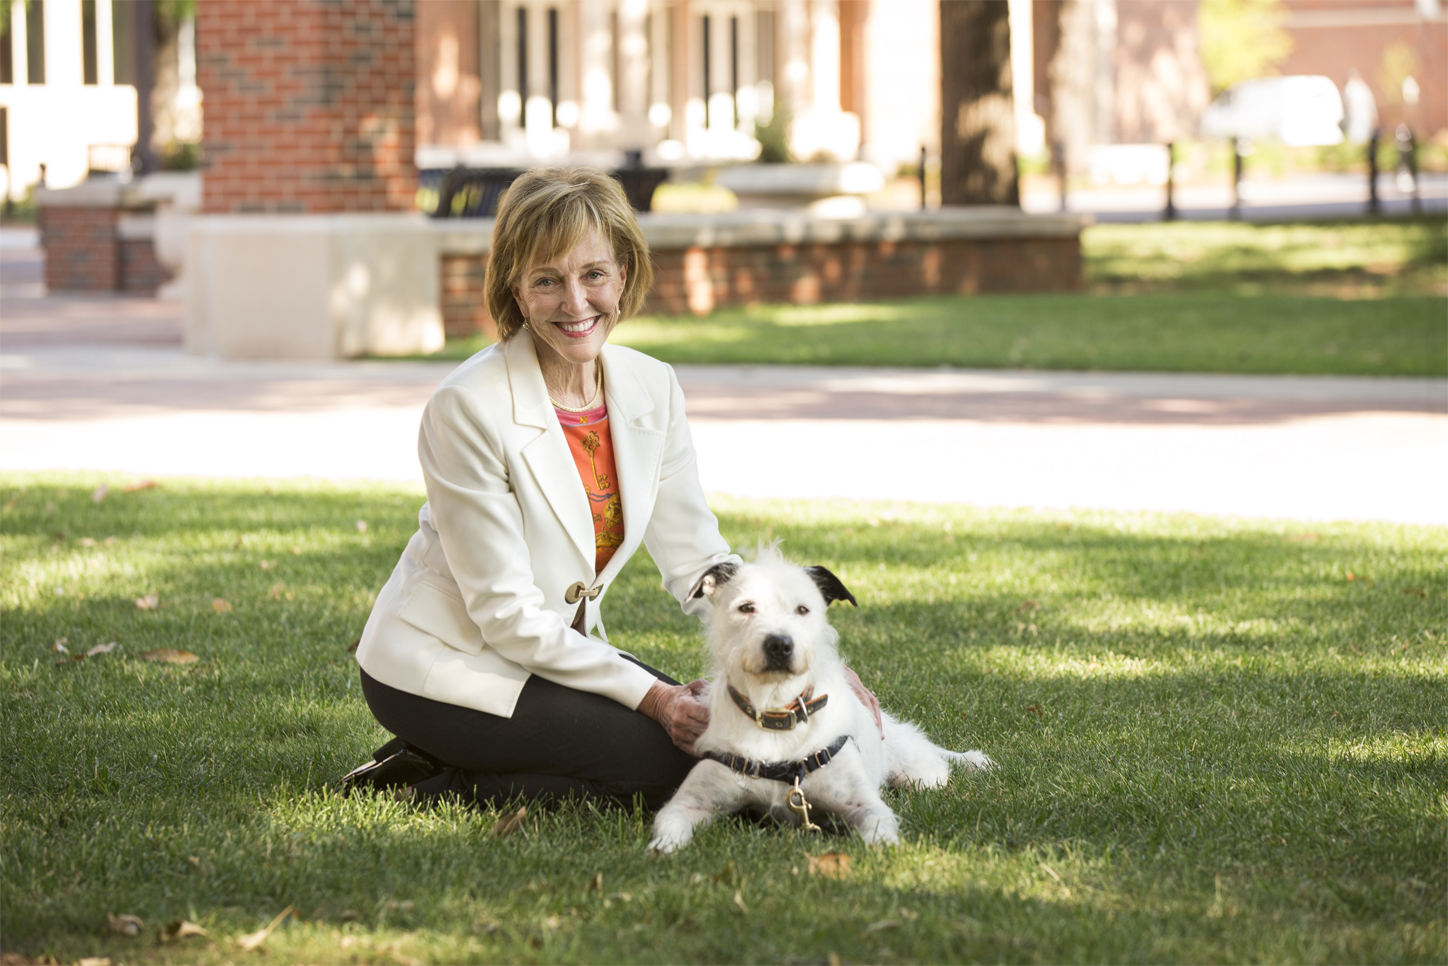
[592, 447]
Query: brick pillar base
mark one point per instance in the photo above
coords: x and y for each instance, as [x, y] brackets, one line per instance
[82, 250]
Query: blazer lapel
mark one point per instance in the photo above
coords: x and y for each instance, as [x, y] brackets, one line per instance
[548, 456]
[637, 450]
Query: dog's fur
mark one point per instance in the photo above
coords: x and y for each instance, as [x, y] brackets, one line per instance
[754, 607]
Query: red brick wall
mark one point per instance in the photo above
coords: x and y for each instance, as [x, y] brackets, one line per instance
[699, 280]
[81, 249]
[309, 104]
[141, 273]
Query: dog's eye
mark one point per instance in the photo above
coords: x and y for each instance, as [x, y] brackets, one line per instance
[801, 609]
[746, 608]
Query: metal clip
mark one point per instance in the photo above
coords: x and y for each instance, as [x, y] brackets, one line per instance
[797, 804]
[579, 590]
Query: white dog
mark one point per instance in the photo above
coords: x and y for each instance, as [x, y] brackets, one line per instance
[786, 732]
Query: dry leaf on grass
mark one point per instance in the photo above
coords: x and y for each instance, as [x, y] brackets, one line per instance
[110, 541]
[93, 961]
[739, 905]
[219, 605]
[1416, 592]
[279, 590]
[882, 924]
[149, 602]
[125, 924]
[1035, 709]
[181, 929]
[831, 865]
[87, 541]
[361, 526]
[1029, 605]
[169, 655]
[59, 647]
[100, 493]
[509, 824]
[254, 939]
[138, 485]
[266, 565]
[596, 883]
[102, 649]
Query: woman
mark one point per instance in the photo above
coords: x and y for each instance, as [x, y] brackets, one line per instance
[548, 458]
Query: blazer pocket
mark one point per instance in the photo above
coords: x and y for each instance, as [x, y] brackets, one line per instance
[439, 613]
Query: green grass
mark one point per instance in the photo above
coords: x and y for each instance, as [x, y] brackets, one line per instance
[1236, 754]
[1349, 298]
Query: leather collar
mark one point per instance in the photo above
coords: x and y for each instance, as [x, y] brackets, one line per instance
[788, 772]
[781, 719]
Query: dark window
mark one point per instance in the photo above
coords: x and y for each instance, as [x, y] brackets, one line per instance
[553, 63]
[7, 54]
[5, 136]
[615, 61]
[523, 57]
[35, 40]
[89, 71]
[734, 65]
[123, 41]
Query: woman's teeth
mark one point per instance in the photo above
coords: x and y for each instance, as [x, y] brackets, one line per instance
[583, 326]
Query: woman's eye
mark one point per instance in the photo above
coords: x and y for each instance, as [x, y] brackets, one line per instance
[801, 609]
[746, 608]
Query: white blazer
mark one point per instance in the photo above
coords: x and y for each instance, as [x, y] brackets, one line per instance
[476, 604]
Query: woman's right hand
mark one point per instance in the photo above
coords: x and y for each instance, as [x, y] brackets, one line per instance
[678, 711]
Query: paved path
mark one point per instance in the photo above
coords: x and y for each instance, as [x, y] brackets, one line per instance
[102, 384]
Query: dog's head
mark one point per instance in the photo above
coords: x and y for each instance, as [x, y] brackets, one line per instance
[768, 619]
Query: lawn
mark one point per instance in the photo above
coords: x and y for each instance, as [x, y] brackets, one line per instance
[1219, 741]
[1351, 298]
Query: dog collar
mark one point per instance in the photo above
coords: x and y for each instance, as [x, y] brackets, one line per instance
[781, 719]
[789, 772]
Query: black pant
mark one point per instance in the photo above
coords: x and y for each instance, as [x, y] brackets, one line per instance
[559, 743]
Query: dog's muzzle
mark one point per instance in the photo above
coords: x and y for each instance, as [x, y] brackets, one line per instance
[778, 652]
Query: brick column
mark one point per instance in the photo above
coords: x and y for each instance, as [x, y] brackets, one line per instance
[82, 252]
[309, 105]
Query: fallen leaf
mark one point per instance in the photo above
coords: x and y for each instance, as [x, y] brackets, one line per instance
[59, 647]
[12, 502]
[1029, 605]
[831, 865]
[86, 542]
[100, 493]
[181, 929]
[169, 655]
[553, 922]
[509, 824]
[149, 602]
[102, 649]
[138, 485]
[125, 924]
[1035, 709]
[1051, 872]
[93, 961]
[219, 605]
[909, 914]
[352, 648]
[1305, 536]
[296, 551]
[596, 883]
[739, 905]
[110, 541]
[361, 526]
[1351, 575]
[237, 544]
[266, 565]
[882, 924]
[254, 939]
[1416, 592]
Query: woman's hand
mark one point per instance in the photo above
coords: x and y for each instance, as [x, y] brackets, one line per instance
[867, 698]
[678, 711]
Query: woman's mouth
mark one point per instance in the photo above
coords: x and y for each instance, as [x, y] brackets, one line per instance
[579, 329]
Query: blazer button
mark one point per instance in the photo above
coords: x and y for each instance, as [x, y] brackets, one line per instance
[574, 592]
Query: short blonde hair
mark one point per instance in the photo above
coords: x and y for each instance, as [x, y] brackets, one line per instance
[548, 212]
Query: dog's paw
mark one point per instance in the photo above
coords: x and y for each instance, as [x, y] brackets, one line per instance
[880, 829]
[670, 836]
[975, 761]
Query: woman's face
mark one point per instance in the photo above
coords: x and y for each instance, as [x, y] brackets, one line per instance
[571, 301]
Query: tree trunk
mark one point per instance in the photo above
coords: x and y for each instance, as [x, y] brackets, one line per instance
[978, 129]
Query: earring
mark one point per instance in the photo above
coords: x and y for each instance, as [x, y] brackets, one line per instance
[525, 325]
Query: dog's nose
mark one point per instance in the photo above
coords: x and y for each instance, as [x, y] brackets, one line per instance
[778, 648]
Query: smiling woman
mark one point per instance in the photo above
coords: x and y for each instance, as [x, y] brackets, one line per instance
[549, 458]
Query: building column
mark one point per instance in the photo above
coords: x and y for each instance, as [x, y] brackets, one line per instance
[105, 45]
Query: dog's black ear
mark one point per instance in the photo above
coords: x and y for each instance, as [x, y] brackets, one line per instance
[830, 586]
[714, 578]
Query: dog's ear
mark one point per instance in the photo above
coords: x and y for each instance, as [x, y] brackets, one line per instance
[714, 578]
[830, 586]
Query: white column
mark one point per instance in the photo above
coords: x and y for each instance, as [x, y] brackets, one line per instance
[748, 95]
[597, 43]
[661, 111]
[20, 54]
[825, 55]
[510, 99]
[1030, 128]
[795, 40]
[633, 81]
[105, 45]
[64, 66]
[1106, 72]
[538, 111]
[721, 97]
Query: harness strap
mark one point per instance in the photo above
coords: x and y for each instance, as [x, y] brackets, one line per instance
[781, 719]
[787, 772]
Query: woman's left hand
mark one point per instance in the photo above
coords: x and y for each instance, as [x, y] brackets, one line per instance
[867, 698]
[678, 711]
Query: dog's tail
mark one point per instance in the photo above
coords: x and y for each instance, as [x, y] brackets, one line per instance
[970, 760]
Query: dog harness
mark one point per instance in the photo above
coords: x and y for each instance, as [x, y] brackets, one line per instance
[788, 772]
[781, 719]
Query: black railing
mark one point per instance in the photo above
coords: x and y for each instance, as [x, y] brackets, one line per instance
[474, 192]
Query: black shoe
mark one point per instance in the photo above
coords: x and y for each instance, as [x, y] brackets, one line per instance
[395, 763]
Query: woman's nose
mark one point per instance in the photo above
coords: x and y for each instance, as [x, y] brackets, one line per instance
[575, 299]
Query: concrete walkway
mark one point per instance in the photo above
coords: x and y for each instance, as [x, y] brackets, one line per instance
[102, 384]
